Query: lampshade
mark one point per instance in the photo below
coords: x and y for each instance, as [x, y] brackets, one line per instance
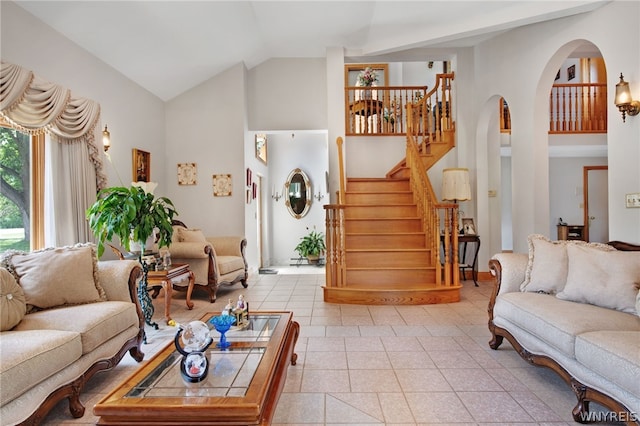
[623, 93]
[455, 185]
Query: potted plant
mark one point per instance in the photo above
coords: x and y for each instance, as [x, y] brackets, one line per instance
[131, 214]
[311, 246]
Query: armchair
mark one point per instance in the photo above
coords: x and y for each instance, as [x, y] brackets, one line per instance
[213, 260]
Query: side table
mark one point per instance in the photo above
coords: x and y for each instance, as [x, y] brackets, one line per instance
[165, 278]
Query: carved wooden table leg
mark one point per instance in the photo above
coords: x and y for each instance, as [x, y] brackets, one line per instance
[192, 281]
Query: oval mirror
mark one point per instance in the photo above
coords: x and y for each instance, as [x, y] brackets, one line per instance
[297, 191]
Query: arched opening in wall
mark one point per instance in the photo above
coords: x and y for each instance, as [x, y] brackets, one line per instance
[493, 136]
[577, 139]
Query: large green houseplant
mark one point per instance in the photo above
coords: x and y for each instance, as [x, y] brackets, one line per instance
[311, 246]
[132, 215]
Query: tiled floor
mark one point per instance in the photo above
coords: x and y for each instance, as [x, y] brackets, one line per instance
[373, 365]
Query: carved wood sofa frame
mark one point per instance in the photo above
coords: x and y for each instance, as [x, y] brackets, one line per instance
[583, 393]
[73, 389]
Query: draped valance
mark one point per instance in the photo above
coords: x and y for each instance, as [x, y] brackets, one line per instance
[36, 106]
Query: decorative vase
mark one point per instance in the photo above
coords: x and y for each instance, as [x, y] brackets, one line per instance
[222, 324]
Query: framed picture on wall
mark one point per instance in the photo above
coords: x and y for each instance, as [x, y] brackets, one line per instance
[222, 185]
[187, 174]
[141, 165]
[571, 72]
[261, 148]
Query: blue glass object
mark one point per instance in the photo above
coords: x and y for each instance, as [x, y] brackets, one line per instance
[222, 324]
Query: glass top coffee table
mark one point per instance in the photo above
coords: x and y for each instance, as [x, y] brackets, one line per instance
[242, 386]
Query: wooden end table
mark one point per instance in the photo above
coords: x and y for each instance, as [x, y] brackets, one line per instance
[165, 279]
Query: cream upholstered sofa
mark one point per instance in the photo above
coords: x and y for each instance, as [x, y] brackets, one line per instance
[65, 316]
[213, 260]
[573, 307]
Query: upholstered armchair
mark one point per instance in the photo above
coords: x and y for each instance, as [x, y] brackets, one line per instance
[213, 260]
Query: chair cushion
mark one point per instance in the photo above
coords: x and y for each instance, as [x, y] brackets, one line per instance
[29, 357]
[13, 305]
[557, 322]
[548, 263]
[620, 349]
[57, 276]
[191, 235]
[229, 264]
[100, 321]
[610, 279]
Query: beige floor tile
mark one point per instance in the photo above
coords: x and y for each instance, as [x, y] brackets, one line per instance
[373, 381]
[496, 407]
[368, 361]
[437, 407]
[325, 381]
[353, 408]
[422, 380]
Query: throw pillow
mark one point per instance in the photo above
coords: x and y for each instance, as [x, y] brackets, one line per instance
[13, 306]
[191, 235]
[548, 263]
[610, 280]
[58, 276]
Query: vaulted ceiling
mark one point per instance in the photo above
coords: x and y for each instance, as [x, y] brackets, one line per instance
[169, 47]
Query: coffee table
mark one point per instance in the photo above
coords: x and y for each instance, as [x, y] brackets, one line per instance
[242, 386]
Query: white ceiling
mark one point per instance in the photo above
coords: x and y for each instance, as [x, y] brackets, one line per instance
[169, 47]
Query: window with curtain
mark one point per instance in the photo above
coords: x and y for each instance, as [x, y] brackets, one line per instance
[63, 131]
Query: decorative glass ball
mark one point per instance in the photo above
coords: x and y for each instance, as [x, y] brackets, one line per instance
[195, 336]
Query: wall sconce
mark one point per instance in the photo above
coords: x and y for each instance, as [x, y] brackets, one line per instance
[623, 100]
[274, 194]
[106, 139]
[319, 196]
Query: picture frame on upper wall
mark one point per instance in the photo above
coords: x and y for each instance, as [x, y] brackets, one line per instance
[468, 227]
[571, 72]
[558, 75]
[187, 174]
[141, 169]
[261, 147]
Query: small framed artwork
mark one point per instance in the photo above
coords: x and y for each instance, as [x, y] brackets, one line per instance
[222, 185]
[571, 72]
[248, 196]
[141, 165]
[261, 148]
[254, 190]
[249, 177]
[558, 75]
[468, 228]
[187, 174]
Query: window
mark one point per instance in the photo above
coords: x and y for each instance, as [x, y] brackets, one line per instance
[21, 190]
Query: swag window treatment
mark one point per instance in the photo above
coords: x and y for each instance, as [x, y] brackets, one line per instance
[74, 169]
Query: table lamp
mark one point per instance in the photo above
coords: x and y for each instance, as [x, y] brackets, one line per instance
[455, 185]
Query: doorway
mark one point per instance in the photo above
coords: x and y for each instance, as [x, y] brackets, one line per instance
[259, 221]
[596, 203]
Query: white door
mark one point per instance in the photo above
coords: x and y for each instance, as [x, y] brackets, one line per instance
[597, 208]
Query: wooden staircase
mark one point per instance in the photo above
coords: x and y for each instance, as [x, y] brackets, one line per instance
[383, 236]
[386, 256]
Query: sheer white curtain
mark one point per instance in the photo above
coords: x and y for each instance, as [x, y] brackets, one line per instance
[74, 159]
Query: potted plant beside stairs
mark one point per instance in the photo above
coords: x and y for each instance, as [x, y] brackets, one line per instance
[311, 247]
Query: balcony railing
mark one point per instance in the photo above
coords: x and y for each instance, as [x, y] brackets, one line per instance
[573, 108]
[379, 110]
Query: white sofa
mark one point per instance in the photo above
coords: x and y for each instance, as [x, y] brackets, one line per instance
[573, 307]
[52, 352]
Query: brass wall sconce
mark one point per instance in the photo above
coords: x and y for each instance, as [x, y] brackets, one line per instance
[623, 100]
[106, 139]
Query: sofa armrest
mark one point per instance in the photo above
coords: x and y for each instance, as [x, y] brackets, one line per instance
[228, 246]
[190, 250]
[118, 278]
[509, 270]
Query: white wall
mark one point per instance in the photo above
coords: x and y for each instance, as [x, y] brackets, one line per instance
[534, 54]
[206, 126]
[135, 117]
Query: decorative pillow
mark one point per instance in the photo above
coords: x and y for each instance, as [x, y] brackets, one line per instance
[13, 306]
[610, 280]
[191, 235]
[57, 276]
[175, 237]
[548, 265]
